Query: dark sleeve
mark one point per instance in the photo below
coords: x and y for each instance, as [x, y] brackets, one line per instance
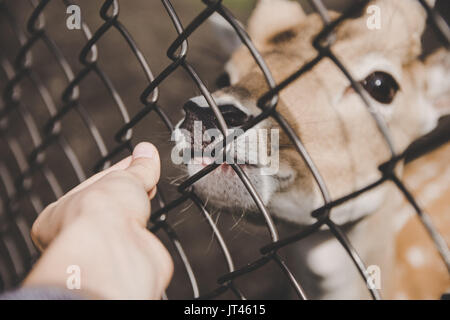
[41, 293]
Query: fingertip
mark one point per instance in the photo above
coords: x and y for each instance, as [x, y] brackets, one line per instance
[145, 165]
[145, 150]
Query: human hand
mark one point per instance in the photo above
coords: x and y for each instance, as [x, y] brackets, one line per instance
[100, 226]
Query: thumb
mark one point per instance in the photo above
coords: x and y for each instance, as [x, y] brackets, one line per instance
[145, 165]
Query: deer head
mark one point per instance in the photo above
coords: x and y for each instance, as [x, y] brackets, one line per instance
[323, 109]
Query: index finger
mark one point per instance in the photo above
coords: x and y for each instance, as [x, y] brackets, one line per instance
[121, 165]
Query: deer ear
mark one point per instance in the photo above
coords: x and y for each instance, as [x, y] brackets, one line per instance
[273, 16]
[438, 81]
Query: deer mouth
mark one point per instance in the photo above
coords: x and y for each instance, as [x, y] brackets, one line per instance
[224, 166]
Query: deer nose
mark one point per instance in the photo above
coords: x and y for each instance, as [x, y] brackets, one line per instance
[233, 116]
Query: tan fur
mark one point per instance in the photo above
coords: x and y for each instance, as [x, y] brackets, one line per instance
[348, 133]
[419, 270]
[338, 131]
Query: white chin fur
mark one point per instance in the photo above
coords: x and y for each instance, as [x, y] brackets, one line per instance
[223, 189]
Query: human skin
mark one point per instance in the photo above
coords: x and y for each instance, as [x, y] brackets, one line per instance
[100, 226]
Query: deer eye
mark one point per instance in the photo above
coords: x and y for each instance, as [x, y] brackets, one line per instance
[223, 81]
[381, 86]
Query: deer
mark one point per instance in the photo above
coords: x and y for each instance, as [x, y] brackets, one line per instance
[410, 94]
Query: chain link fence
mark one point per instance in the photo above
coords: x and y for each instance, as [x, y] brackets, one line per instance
[30, 177]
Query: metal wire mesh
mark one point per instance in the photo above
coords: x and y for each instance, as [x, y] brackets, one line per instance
[15, 225]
